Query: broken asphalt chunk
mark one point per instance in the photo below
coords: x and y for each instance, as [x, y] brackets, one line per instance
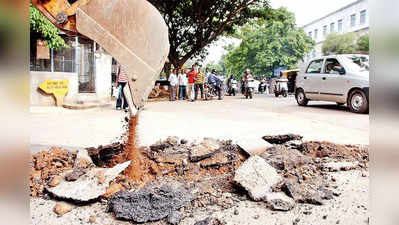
[204, 150]
[281, 139]
[254, 146]
[87, 187]
[302, 193]
[149, 204]
[279, 201]
[257, 177]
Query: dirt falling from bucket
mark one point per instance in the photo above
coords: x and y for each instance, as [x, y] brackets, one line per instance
[136, 171]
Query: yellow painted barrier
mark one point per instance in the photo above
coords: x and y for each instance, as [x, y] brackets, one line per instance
[59, 88]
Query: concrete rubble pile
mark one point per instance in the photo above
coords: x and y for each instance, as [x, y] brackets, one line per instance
[184, 176]
[45, 168]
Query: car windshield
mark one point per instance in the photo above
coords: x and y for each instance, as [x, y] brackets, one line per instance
[358, 62]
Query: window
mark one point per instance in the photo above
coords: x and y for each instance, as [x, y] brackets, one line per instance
[325, 30]
[339, 25]
[315, 66]
[353, 20]
[62, 60]
[332, 27]
[329, 65]
[315, 34]
[310, 34]
[362, 17]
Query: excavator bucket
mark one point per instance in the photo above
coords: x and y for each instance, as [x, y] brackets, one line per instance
[135, 34]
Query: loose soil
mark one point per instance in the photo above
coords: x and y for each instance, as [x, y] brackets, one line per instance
[135, 172]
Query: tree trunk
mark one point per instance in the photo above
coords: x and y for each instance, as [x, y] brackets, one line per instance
[166, 69]
[177, 63]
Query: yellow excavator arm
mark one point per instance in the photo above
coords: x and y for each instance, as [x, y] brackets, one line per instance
[132, 31]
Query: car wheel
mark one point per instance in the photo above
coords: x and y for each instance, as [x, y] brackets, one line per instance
[301, 98]
[357, 102]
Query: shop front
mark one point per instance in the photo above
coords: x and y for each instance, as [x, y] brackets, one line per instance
[83, 63]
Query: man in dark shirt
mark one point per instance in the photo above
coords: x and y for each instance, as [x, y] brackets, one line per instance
[215, 82]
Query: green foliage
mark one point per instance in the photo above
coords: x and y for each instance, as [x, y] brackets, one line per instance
[267, 45]
[39, 24]
[336, 43]
[363, 43]
[194, 24]
[216, 66]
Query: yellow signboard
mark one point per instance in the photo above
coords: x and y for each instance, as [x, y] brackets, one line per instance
[59, 88]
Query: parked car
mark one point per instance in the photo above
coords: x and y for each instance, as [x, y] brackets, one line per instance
[343, 79]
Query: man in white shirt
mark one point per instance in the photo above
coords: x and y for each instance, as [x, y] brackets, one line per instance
[183, 80]
[173, 85]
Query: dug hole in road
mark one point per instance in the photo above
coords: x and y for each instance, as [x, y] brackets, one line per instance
[212, 181]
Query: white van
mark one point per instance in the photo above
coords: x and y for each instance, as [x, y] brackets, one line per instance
[343, 79]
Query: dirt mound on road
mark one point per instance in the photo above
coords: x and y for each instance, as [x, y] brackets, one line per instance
[46, 165]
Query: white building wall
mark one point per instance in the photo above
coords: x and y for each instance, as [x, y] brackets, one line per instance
[103, 76]
[39, 98]
[343, 14]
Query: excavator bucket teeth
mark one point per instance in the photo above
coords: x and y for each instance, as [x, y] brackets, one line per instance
[134, 33]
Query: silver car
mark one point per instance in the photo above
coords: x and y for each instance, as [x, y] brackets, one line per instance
[343, 79]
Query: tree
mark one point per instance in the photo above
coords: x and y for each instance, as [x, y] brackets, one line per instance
[336, 43]
[267, 45]
[363, 43]
[193, 24]
[215, 66]
[41, 27]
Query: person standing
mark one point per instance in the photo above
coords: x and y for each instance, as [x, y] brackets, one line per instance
[121, 80]
[192, 76]
[182, 78]
[173, 82]
[199, 84]
[247, 75]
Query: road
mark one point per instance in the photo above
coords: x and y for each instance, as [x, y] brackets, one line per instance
[74, 129]
[236, 117]
[231, 118]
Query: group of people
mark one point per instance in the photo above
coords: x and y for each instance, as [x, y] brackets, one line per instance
[186, 85]
[183, 85]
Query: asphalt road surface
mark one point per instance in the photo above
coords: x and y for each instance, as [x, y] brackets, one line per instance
[232, 118]
[237, 117]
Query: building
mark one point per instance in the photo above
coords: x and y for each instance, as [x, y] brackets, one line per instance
[87, 67]
[351, 18]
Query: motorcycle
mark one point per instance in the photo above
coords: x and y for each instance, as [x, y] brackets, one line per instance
[233, 88]
[281, 87]
[210, 91]
[262, 87]
[249, 88]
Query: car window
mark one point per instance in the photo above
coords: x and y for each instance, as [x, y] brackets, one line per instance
[315, 66]
[329, 65]
[358, 63]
